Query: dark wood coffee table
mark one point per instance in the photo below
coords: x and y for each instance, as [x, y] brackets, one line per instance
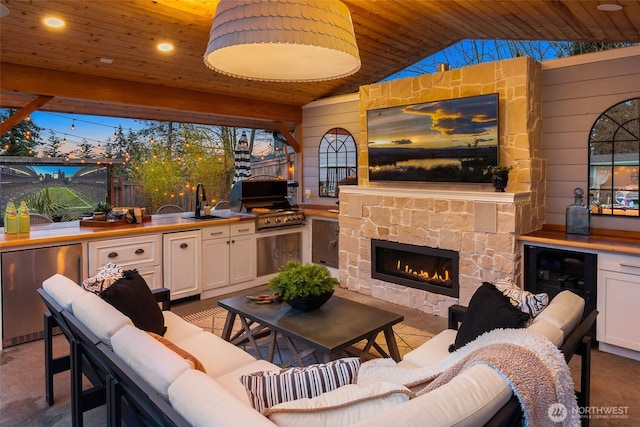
[332, 328]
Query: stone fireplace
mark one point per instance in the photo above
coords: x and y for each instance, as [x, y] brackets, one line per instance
[420, 267]
[471, 219]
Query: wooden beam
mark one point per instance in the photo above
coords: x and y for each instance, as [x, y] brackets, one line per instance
[62, 84]
[21, 114]
[287, 135]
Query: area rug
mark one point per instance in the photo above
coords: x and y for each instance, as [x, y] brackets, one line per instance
[212, 320]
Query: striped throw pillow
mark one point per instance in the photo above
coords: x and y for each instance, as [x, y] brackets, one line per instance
[533, 304]
[266, 389]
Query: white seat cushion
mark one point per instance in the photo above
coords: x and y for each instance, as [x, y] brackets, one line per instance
[432, 351]
[99, 316]
[469, 399]
[542, 327]
[149, 358]
[203, 402]
[231, 380]
[63, 290]
[217, 355]
[564, 311]
[177, 327]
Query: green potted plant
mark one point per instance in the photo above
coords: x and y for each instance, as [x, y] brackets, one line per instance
[100, 211]
[499, 176]
[303, 286]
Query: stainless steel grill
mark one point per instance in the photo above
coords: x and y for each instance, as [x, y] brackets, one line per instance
[268, 201]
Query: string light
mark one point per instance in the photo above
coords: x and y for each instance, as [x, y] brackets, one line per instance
[73, 125]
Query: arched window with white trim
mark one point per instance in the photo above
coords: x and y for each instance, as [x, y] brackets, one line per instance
[337, 162]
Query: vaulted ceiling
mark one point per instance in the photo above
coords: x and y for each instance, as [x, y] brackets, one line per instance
[105, 61]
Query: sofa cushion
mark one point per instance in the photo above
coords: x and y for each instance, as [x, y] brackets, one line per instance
[343, 406]
[470, 399]
[266, 388]
[217, 355]
[542, 327]
[63, 290]
[102, 319]
[150, 359]
[564, 311]
[230, 379]
[432, 351]
[194, 363]
[177, 327]
[488, 309]
[132, 296]
[530, 303]
[203, 402]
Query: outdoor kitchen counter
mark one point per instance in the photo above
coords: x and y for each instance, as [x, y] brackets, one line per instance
[326, 211]
[62, 232]
[621, 242]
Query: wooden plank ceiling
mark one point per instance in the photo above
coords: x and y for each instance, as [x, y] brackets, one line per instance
[141, 82]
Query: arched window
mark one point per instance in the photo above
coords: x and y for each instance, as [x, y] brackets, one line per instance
[614, 160]
[337, 161]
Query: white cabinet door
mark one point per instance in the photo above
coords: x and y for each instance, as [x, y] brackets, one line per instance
[143, 253]
[242, 263]
[215, 263]
[619, 318]
[181, 263]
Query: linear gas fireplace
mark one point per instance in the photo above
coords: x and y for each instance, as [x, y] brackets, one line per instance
[420, 267]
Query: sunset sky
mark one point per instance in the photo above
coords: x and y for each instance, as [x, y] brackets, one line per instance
[435, 124]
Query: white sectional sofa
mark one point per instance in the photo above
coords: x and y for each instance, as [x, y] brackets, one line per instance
[154, 383]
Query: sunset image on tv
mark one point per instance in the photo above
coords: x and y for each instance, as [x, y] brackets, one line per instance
[442, 141]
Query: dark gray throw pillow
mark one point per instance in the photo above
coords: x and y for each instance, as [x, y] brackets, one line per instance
[133, 298]
[488, 309]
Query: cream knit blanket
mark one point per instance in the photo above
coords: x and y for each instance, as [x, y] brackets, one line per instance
[533, 367]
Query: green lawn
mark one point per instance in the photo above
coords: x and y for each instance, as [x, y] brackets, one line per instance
[70, 198]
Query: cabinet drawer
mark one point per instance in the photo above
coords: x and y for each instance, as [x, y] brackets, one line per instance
[621, 263]
[133, 251]
[209, 233]
[242, 228]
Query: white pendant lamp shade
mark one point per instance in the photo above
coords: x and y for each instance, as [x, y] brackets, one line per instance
[283, 40]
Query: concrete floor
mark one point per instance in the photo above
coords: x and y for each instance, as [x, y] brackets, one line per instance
[614, 386]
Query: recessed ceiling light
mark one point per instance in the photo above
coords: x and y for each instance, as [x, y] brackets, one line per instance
[4, 11]
[53, 22]
[106, 61]
[165, 47]
[609, 7]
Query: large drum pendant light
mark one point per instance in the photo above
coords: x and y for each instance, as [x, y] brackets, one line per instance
[283, 40]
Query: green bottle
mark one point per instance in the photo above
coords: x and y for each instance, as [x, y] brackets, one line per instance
[11, 219]
[23, 218]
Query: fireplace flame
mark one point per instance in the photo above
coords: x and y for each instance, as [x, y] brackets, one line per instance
[424, 275]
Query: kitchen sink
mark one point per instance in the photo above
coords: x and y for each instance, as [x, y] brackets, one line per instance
[205, 217]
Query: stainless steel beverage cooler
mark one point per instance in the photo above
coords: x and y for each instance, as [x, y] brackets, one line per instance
[22, 273]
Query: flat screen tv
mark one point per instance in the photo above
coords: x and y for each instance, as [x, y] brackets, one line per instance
[74, 188]
[442, 141]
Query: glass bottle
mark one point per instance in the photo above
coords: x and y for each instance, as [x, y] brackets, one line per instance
[23, 218]
[578, 219]
[11, 219]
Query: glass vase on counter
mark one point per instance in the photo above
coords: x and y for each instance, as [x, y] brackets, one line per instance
[578, 215]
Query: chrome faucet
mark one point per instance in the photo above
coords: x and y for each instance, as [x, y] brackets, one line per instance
[199, 200]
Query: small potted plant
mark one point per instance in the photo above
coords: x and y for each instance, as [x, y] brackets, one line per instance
[499, 176]
[100, 211]
[303, 286]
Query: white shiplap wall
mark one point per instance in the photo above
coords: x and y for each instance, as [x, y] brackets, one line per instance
[576, 90]
[318, 118]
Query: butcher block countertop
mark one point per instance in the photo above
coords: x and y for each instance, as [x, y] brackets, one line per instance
[62, 232]
[627, 242]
